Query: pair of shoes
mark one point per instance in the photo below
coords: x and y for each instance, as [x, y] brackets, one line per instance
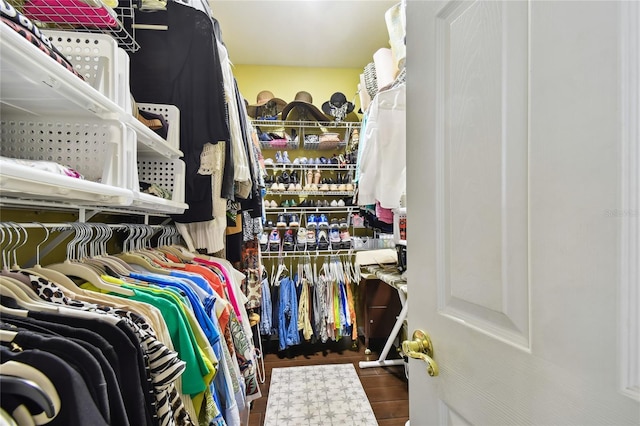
[317, 221]
[270, 204]
[282, 158]
[334, 238]
[264, 241]
[311, 239]
[288, 220]
[278, 187]
[345, 239]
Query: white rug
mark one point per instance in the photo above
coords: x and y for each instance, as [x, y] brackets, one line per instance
[319, 395]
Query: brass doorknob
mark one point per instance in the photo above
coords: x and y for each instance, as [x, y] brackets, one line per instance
[421, 348]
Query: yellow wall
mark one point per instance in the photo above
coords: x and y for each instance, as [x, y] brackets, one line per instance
[285, 82]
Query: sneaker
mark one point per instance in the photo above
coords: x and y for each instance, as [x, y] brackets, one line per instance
[285, 204]
[311, 239]
[292, 203]
[323, 241]
[288, 243]
[311, 221]
[345, 239]
[340, 202]
[322, 221]
[343, 223]
[301, 239]
[334, 203]
[285, 158]
[274, 240]
[334, 239]
[278, 157]
[335, 223]
[264, 241]
[282, 221]
[294, 221]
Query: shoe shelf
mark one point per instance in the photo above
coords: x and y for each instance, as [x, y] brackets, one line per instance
[327, 167]
[311, 193]
[303, 253]
[311, 210]
[284, 129]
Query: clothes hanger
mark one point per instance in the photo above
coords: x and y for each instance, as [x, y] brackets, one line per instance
[83, 271]
[13, 289]
[134, 258]
[10, 250]
[17, 386]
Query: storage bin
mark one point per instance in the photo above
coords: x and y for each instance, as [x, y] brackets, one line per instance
[99, 150]
[171, 113]
[96, 58]
[168, 174]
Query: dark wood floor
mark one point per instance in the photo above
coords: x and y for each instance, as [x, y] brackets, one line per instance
[386, 388]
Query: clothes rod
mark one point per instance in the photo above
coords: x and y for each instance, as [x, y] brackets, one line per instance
[150, 27]
[39, 225]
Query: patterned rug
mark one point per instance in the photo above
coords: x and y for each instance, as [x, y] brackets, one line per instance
[319, 395]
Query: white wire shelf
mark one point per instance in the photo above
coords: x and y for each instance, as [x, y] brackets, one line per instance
[311, 193]
[76, 15]
[327, 167]
[309, 210]
[325, 126]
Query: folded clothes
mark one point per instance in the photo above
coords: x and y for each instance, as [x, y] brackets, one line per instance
[154, 189]
[47, 166]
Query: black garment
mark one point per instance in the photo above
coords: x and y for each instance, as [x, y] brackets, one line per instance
[77, 357]
[77, 407]
[96, 345]
[181, 67]
[133, 386]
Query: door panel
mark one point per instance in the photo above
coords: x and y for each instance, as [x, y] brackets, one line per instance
[521, 117]
[482, 185]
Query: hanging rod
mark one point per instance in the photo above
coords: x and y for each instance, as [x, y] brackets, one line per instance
[27, 225]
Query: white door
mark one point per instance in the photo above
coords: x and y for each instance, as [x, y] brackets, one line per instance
[523, 212]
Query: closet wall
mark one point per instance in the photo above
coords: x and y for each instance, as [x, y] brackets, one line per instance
[285, 82]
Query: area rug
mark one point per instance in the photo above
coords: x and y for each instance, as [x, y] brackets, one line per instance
[319, 395]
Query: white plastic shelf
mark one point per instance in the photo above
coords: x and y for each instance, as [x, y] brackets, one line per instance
[25, 182]
[35, 85]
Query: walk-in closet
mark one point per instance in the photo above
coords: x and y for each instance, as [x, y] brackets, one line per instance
[181, 235]
[234, 213]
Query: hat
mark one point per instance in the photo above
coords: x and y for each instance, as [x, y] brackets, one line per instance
[267, 105]
[303, 103]
[338, 106]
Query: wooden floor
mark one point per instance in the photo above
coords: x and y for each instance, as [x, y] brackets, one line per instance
[386, 388]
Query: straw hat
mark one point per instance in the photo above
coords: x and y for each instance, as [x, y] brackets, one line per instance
[303, 103]
[266, 105]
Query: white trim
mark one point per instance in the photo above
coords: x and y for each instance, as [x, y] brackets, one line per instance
[629, 214]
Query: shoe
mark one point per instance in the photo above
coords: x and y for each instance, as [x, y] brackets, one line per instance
[311, 221]
[323, 241]
[341, 203]
[304, 160]
[325, 203]
[292, 203]
[294, 221]
[343, 223]
[282, 221]
[274, 205]
[335, 224]
[334, 203]
[274, 240]
[288, 242]
[268, 161]
[296, 161]
[322, 221]
[298, 187]
[342, 187]
[324, 187]
[269, 224]
[334, 239]
[333, 187]
[291, 187]
[349, 187]
[264, 241]
[280, 186]
[278, 157]
[301, 239]
[311, 239]
[285, 158]
[345, 239]
[316, 177]
[314, 188]
[284, 204]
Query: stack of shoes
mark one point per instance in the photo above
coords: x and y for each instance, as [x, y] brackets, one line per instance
[274, 241]
[334, 238]
[311, 239]
[322, 240]
[288, 241]
[301, 239]
[264, 241]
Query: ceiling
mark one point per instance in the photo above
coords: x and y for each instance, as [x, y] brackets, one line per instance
[304, 33]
